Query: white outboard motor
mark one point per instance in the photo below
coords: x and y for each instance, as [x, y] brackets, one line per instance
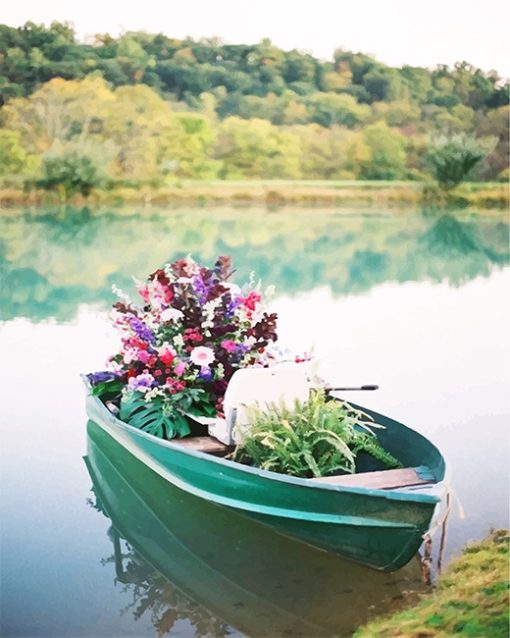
[258, 387]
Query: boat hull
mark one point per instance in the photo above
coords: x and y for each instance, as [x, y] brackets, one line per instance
[379, 528]
[256, 580]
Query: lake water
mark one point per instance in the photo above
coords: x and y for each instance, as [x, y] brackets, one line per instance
[416, 302]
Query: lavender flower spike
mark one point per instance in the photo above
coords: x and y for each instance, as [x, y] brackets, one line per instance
[141, 329]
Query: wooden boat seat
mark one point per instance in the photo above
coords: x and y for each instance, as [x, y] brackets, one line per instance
[382, 480]
[206, 444]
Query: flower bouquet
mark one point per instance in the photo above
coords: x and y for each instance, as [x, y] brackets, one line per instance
[181, 345]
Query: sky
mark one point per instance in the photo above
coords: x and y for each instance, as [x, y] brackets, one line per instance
[396, 32]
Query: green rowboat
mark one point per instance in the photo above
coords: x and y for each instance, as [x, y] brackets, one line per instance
[376, 518]
[236, 569]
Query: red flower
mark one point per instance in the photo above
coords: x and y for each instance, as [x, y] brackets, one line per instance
[167, 356]
[251, 300]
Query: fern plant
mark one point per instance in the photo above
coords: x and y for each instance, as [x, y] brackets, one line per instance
[315, 438]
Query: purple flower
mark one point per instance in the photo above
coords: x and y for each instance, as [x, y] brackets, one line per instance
[205, 374]
[232, 307]
[141, 329]
[142, 382]
[243, 348]
[99, 377]
[200, 288]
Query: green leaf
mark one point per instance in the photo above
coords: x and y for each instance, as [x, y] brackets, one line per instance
[152, 417]
[314, 438]
[107, 390]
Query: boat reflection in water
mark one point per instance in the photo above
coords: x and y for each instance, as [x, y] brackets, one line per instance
[186, 558]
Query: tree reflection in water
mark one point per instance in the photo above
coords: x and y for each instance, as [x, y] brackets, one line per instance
[52, 263]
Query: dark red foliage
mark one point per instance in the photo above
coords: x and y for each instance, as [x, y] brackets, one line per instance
[223, 267]
[265, 330]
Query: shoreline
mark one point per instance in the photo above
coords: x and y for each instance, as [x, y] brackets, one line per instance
[470, 599]
[274, 194]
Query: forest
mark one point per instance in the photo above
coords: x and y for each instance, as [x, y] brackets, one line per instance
[149, 109]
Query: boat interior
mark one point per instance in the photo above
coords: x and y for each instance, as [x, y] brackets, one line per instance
[380, 480]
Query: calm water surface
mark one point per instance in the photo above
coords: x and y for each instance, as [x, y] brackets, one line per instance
[99, 547]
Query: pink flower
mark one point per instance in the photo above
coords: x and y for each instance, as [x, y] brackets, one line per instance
[229, 345]
[143, 356]
[175, 386]
[251, 300]
[180, 369]
[144, 293]
[202, 356]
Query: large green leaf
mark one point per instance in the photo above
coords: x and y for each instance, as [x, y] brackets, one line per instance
[108, 390]
[154, 417]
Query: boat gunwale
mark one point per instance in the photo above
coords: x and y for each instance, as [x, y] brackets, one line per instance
[392, 495]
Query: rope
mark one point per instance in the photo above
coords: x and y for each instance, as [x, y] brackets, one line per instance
[442, 522]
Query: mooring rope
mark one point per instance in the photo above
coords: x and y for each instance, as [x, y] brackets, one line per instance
[441, 522]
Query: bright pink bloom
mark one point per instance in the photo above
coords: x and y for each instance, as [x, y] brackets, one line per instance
[180, 368]
[251, 300]
[143, 356]
[229, 345]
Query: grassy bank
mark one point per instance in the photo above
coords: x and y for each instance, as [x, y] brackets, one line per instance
[471, 599]
[276, 193]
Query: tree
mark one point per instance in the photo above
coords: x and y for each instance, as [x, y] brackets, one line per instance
[400, 113]
[452, 160]
[70, 173]
[139, 122]
[383, 84]
[14, 160]
[331, 153]
[387, 153]
[496, 123]
[59, 111]
[191, 148]
[256, 148]
[328, 109]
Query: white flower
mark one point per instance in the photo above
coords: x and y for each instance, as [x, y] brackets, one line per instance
[153, 393]
[151, 321]
[171, 314]
[178, 341]
[210, 307]
[113, 366]
[121, 294]
[130, 354]
[202, 356]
